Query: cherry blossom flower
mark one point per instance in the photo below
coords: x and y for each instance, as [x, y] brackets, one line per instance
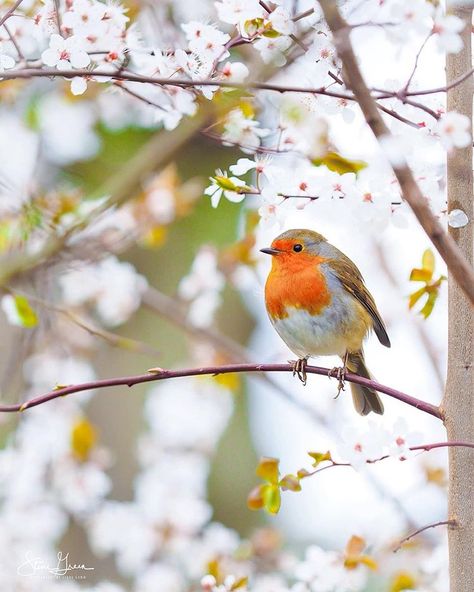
[272, 49]
[65, 54]
[235, 71]
[454, 130]
[447, 27]
[281, 21]
[206, 41]
[324, 571]
[401, 438]
[359, 447]
[239, 129]
[237, 12]
[113, 287]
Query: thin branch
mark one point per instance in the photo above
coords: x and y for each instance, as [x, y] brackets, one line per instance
[441, 89]
[14, 42]
[127, 76]
[156, 374]
[10, 12]
[461, 270]
[415, 66]
[451, 523]
[112, 339]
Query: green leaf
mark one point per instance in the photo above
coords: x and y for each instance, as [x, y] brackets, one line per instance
[319, 457]
[267, 469]
[270, 33]
[271, 498]
[225, 183]
[339, 164]
[290, 483]
[420, 275]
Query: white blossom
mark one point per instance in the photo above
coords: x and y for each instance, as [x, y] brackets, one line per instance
[447, 28]
[454, 130]
[65, 54]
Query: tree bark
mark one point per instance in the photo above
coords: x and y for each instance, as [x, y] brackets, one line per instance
[458, 401]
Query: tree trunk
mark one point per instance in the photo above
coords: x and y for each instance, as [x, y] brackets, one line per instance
[458, 404]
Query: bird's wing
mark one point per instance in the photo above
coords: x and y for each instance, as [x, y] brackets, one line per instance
[351, 279]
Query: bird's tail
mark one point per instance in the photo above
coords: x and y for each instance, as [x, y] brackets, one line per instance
[365, 399]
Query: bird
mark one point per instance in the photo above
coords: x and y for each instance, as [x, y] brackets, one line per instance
[318, 303]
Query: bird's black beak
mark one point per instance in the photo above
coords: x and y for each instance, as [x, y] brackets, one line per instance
[270, 251]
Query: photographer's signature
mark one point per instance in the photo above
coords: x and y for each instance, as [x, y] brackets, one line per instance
[34, 565]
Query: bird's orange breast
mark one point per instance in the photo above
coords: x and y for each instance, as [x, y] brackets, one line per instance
[297, 283]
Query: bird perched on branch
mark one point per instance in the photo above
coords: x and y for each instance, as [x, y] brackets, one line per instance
[319, 305]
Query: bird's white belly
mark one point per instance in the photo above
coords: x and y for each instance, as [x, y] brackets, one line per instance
[325, 334]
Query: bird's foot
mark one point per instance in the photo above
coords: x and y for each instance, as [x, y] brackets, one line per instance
[339, 372]
[299, 369]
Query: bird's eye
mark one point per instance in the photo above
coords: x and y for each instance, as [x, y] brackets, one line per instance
[297, 248]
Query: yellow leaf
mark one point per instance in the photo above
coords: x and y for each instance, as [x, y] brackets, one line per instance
[240, 583]
[428, 261]
[416, 296]
[267, 469]
[403, 580]
[26, 315]
[355, 546]
[319, 457]
[229, 381]
[290, 483]
[271, 498]
[436, 475]
[247, 109]
[83, 439]
[420, 275]
[213, 569]
[338, 163]
[155, 237]
[429, 304]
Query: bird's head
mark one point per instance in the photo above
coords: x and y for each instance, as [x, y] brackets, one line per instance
[296, 249]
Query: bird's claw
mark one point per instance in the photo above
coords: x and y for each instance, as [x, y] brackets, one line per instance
[339, 372]
[299, 369]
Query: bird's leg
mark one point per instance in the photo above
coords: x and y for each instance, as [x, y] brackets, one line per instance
[299, 368]
[340, 374]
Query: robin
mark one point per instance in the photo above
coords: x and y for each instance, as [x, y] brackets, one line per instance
[319, 305]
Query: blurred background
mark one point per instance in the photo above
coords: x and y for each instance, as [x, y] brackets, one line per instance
[148, 486]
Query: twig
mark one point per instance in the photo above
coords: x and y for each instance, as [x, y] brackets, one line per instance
[127, 76]
[161, 374]
[457, 264]
[14, 42]
[415, 66]
[112, 339]
[451, 523]
[9, 12]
